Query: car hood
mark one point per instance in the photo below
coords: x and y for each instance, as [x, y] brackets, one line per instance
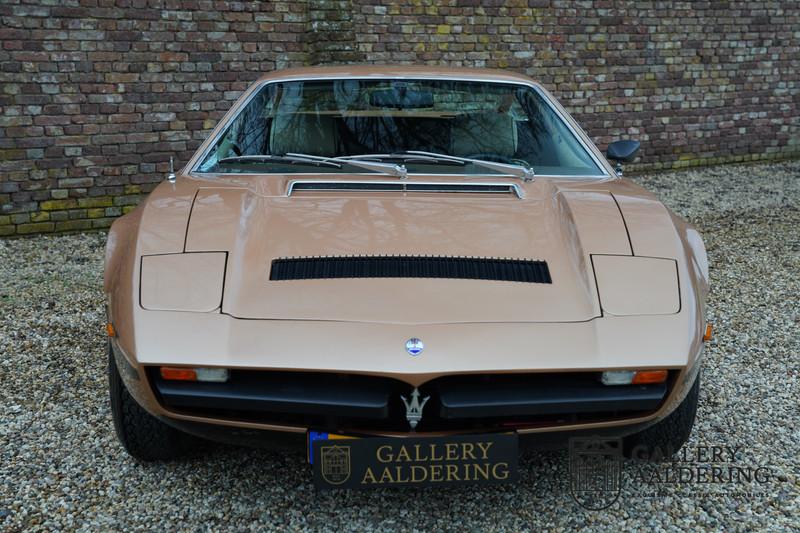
[559, 225]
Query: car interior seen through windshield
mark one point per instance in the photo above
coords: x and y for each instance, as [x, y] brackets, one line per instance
[301, 126]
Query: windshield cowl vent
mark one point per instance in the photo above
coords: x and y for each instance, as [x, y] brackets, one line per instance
[405, 187]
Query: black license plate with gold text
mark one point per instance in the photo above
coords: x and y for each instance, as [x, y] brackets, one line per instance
[364, 463]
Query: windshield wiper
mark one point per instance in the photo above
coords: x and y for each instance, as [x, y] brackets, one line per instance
[406, 157]
[394, 170]
[525, 173]
[288, 158]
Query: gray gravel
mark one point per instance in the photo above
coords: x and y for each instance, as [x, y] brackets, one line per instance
[62, 467]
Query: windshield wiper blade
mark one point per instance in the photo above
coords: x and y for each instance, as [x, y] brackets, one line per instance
[288, 158]
[393, 170]
[525, 173]
[406, 157]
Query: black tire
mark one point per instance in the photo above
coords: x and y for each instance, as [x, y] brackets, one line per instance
[662, 440]
[142, 435]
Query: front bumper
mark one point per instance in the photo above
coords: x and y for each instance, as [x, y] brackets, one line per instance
[458, 406]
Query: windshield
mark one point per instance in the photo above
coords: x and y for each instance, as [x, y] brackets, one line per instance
[388, 119]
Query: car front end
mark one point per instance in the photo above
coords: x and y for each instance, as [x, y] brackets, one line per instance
[376, 287]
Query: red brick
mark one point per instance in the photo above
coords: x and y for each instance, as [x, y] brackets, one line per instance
[117, 87]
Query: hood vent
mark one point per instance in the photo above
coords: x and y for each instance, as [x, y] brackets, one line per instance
[405, 186]
[403, 266]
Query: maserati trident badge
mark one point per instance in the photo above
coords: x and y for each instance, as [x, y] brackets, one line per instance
[414, 346]
[414, 408]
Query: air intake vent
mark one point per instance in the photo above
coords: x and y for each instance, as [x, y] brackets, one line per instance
[409, 267]
[405, 186]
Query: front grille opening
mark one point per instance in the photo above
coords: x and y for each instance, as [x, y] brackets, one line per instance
[328, 409]
[517, 270]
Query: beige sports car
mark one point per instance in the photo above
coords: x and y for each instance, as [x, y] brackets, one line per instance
[403, 270]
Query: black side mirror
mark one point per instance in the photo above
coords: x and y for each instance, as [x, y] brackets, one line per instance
[623, 151]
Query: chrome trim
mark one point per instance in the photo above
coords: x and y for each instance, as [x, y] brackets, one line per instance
[213, 175]
[513, 187]
[196, 160]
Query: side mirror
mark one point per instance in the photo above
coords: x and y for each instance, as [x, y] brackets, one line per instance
[622, 151]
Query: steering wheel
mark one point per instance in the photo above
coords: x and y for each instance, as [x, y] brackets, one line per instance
[492, 156]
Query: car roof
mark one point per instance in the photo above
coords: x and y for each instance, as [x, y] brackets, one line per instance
[396, 71]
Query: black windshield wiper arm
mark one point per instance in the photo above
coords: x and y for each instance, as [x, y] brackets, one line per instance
[393, 170]
[406, 157]
[267, 158]
[525, 173]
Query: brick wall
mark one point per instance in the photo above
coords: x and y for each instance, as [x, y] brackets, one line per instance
[97, 94]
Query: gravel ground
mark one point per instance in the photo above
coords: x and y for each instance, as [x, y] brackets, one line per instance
[62, 467]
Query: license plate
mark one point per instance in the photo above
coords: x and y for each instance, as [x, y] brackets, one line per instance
[362, 463]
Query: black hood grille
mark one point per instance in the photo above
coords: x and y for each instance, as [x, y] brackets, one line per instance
[405, 187]
[519, 270]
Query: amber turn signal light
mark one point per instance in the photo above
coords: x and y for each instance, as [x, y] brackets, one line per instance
[633, 377]
[217, 375]
[644, 377]
[708, 333]
[178, 374]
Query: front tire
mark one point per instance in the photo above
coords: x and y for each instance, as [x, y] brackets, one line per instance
[662, 440]
[142, 435]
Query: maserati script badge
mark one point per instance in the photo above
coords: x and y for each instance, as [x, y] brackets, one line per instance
[414, 346]
[414, 408]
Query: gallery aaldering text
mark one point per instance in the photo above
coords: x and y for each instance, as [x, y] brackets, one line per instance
[699, 464]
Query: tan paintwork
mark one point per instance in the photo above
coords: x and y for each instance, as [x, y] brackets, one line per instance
[183, 282]
[583, 321]
[637, 285]
[256, 229]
